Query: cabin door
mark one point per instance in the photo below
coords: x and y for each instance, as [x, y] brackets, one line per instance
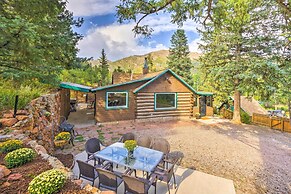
[202, 105]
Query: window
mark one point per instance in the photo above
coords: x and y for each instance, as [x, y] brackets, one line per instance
[165, 101]
[116, 100]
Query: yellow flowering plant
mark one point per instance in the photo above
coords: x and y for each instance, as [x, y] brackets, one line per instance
[10, 145]
[130, 145]
[19, 157]
[63, 136]
[47, 182]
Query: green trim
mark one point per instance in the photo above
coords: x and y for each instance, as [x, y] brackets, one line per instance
[76, 87]
[177, 77]
[120, 84]
[170, 108]
[116, 107]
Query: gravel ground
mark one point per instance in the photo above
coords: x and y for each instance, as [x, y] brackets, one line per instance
[256, 158]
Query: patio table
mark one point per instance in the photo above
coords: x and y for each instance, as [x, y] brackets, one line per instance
[144, 159]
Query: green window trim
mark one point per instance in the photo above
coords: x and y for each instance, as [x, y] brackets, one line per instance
[169, 108]
[116, 107]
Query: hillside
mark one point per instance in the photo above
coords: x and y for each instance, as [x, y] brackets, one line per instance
[136, 62]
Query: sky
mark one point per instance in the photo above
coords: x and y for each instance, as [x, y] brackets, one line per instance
[102, 31]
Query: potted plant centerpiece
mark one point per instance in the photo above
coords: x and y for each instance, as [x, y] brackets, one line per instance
[130, 145]
[62, 139]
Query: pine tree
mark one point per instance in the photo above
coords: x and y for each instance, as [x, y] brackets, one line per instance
[104, 68]
[178, 59]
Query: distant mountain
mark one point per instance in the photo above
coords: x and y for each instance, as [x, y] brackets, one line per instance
[136, 61]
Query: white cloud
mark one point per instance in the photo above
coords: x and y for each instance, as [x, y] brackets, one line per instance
[117, 40]
[162, 23]
[194, 45]
[91, 7]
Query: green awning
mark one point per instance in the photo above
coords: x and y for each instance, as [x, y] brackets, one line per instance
[76, 87]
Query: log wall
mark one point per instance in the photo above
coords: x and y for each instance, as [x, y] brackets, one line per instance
[145, 106]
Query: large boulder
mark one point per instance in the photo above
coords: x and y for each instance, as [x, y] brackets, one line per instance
[8, 122]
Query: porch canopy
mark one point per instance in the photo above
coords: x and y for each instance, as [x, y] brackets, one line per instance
[76, 87]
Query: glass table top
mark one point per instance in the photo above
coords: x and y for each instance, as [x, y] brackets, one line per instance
[144, 159]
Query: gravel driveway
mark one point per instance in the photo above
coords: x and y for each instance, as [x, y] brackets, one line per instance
[256, 158]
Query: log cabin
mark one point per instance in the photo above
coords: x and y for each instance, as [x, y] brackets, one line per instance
[152, 95]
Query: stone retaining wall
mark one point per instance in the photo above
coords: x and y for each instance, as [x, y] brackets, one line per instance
[39, 120]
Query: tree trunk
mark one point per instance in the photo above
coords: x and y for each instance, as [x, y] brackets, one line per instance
[289, 107]
[236, 104]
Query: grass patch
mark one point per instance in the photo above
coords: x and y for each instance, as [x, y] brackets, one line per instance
[79, 138]
[114, 139]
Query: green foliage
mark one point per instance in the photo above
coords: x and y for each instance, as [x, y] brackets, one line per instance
[36, 40]
[10, 145]
[8, 91]
[130, 144]
[19, 157]
[245, 118]
[86, 75]
[104, 68]
[178, 59]
[63, 136]
[47, 182]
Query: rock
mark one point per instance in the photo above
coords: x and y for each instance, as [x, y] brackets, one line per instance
[78, 182]
[20, 112]
[32, 143]
[4, 170]
[107, 192]
[21, 117]
[91, 189]
[6, 184]
[8, 122]
[40, 149]
[14, 177]
[8, 115]
[5, 137]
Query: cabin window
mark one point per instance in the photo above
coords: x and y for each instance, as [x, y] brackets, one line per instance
[116, 100]
[164, 101]
[209, 101]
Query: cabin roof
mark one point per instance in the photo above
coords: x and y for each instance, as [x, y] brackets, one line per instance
[150, 78]
[76, 87]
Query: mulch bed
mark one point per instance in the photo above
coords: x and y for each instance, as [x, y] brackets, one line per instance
[32, 169]
[66, 159]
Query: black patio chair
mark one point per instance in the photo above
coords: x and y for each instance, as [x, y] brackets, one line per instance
[108, 179]
[166, 175]
[127, 136]
[136, 185]
[92, 146]
[87, 171]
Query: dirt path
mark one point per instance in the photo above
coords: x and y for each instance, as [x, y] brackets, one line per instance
[256, 158]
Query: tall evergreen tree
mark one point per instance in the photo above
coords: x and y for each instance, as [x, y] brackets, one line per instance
[104, 68]
[178, 59]
[36, 39]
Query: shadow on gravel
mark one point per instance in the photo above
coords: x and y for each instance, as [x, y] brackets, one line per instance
[275, 150]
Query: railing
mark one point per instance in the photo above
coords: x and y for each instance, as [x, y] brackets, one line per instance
[278, 123]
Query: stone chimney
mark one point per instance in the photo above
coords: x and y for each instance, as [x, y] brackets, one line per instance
[145, 66]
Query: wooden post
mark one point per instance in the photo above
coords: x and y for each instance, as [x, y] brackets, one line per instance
[270, 122]
[15, 106]
[282, 123]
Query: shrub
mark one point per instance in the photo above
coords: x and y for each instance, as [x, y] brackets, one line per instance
[63, 136]
[245, 118]
[10, 145]
[19, 157]
[47, 182]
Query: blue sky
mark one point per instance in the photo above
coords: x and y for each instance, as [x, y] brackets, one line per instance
[101, 30]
